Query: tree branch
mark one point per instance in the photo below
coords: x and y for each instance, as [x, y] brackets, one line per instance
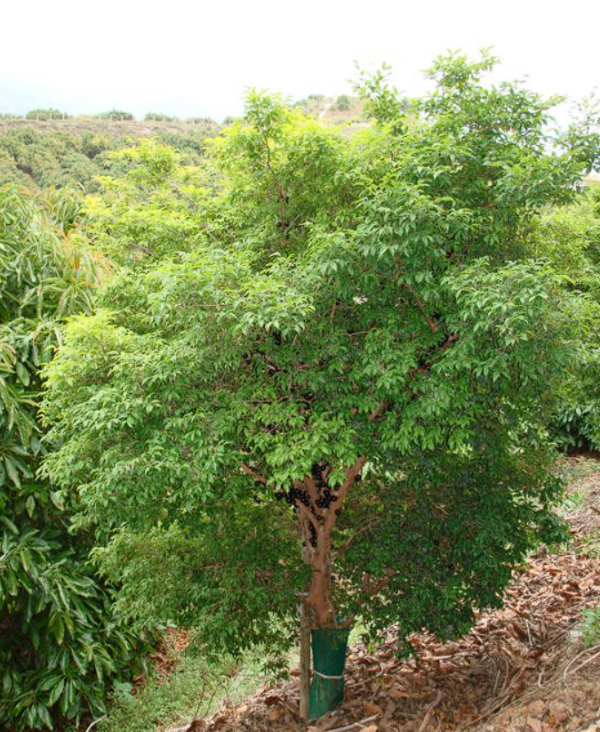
[379, 410]
[433, 326]
[312, 489]
[346, 545]
[351, 474]
[250, 471]
[369, 592]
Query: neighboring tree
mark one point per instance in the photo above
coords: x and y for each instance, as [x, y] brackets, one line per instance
[160, 117]
[569, 237]
[343, 103]
[59, 641]
[340, 383]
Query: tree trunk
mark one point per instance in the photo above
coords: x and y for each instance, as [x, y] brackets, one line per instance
[319, 598]
[317, 510]
[317, 514]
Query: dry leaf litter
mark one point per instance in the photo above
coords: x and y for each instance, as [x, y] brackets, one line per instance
[522, 668]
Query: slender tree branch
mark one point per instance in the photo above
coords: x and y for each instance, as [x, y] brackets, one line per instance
[433, 326]
[250, 471]
[368, 593]
[351, 474]
[346, 545]
[449, 341]
[379, 410]
[280, 192]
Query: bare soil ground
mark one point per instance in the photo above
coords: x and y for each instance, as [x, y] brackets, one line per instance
[524, 668]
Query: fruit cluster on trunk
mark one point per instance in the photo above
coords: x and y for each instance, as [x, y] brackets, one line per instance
[318, 507]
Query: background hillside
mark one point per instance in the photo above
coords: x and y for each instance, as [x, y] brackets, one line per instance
[73, 152]
[44, 148]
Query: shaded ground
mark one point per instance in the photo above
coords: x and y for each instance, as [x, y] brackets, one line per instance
[524, 668]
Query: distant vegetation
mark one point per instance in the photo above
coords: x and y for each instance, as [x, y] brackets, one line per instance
[159, 117]
[343, 102]
[46, 114]
[333, 109]
[201, 121]
[36, 159]
[76, 152]
[116, 114]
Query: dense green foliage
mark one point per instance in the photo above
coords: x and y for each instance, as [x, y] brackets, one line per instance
[38, 159]
[35, 159]
[116, 115]
[569, 237]
[59, 641]
[343, 343]
[160, 117]
[148, 213]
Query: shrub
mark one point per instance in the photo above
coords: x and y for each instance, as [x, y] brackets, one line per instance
[116, 115]
[158, 117]
[342, 103]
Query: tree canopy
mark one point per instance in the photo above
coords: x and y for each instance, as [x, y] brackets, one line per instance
[352, 351]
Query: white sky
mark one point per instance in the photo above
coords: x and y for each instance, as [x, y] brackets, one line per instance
[199, 56]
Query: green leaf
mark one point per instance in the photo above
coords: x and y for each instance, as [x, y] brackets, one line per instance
[23, 373]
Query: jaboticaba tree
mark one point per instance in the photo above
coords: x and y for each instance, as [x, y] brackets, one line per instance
[341, 382]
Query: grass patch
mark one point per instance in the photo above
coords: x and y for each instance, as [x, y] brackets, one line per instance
[590, 544]
[573, 470]
[195, 688]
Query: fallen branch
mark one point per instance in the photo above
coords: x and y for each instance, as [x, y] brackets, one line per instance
[95, 722]
[430, 708]
[579, 655]
[360, 723]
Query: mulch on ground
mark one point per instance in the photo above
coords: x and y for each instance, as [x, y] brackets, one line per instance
[522, 668]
